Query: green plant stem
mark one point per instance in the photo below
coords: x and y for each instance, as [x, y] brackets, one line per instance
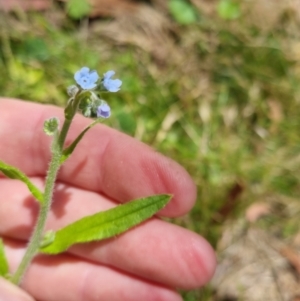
[36, 237]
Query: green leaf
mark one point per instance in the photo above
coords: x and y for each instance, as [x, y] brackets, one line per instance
[3, 261]
[14, 173]
[106, 224]
[229, 9]
[78, 8]
[69, 150]
[182, 11]
[51, 126]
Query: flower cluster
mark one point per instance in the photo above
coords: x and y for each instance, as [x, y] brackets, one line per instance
[89, 80]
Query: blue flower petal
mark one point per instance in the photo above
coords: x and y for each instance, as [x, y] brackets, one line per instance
[86, 79]
[111, 85]
[109, 74]
[103, 110]
[83, 71]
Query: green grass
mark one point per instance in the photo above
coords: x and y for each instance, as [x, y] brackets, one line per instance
[228, 112]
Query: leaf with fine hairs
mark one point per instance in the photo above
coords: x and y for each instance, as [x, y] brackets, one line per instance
[3, 261]
[106, 224]
[14, 173]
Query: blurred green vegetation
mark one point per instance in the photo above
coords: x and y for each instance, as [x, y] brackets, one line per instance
[226, 109]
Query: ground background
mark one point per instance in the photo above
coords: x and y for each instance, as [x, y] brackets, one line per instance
[212, 84]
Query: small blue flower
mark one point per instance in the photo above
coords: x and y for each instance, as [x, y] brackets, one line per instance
[103, 110]
[86, 78]
[111, 85]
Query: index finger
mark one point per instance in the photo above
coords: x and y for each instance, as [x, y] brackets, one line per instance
[105, 161]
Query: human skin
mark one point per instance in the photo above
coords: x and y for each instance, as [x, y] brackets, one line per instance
[8, 5]
[148, 262]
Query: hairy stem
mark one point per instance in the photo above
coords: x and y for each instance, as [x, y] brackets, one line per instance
[37, 234]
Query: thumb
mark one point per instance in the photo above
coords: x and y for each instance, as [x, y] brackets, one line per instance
[11, 292]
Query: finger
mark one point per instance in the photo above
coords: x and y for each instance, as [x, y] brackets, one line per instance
[10, 292]
[105, 161]
[67, 278]
[155, 250]
[23, 4]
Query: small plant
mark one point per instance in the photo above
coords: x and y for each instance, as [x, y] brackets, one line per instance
[78, 9]
[182, 11]
[86, 97]
[229, 9]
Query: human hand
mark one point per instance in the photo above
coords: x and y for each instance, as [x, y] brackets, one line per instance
[146, 263]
